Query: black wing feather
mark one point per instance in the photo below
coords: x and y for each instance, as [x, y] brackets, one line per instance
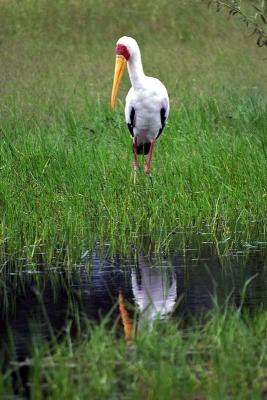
[163, 120]
[131, 124]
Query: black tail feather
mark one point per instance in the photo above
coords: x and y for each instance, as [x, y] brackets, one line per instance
[143, 148]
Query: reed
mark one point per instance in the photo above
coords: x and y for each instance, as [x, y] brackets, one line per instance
[223, 357]
[68, 184]
[66, 160]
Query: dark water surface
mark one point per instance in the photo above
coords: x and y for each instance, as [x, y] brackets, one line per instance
[42, 302]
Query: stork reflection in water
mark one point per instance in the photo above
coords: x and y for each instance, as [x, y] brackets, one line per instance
[154, 293]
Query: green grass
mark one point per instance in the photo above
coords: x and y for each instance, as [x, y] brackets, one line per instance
[69, 183]
[66, 160]
[223, 358]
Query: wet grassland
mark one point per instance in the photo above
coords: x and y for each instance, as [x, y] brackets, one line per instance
[225, 358]
[68, 184]
[66, 160]
[66, 187]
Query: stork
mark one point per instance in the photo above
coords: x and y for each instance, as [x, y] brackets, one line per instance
[147, 102]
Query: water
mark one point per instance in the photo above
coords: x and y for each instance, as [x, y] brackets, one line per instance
[42, 302]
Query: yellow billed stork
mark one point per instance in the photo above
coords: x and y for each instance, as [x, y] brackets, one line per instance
[147, 102]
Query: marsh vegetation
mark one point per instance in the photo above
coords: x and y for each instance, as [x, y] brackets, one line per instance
[66, 189]
[66, 160]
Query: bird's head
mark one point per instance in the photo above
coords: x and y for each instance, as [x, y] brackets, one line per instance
[126, 49]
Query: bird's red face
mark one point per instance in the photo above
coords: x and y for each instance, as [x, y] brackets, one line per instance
[122, 56]
[122, 50]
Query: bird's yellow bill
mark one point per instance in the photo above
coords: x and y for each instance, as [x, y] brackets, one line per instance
[119, 69]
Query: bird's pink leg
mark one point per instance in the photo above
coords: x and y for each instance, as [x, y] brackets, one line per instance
[135, 163]
[148, 161]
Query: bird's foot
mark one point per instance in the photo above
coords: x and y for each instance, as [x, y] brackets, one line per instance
[135, 171]
[135, 165]
[147, 169]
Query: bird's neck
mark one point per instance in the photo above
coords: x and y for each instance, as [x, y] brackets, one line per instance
[136, 72]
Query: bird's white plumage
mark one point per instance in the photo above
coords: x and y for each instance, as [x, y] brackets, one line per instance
[147, 97]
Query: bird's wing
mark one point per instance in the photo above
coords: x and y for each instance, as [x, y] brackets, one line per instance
[164, 112]
[131, 122]
[130, 116]
[163, 118]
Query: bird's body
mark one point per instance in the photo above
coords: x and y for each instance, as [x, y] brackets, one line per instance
[146, 110]
[147, 102]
